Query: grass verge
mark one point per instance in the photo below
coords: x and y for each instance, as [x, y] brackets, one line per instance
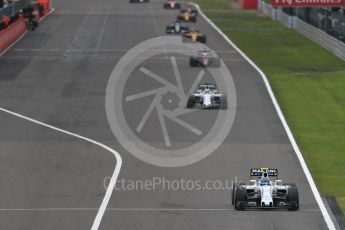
[309, 83]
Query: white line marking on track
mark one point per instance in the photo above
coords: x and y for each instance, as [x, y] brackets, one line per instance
[105, 201]
[102, 32]
[117, 209]
[111, 186]
[298, 152]
[133, 209]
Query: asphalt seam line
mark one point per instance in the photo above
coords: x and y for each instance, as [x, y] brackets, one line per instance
[298, 152]
[112, 183]
[132, 209]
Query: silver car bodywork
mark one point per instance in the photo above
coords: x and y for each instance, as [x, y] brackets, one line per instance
[208, 97]
[265, 192]
[204, 58]
[176, 28]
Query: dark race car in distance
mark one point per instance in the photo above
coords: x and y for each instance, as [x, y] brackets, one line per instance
[139, 1]
[176, 28]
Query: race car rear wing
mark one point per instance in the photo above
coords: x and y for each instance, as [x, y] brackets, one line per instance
[259, 172]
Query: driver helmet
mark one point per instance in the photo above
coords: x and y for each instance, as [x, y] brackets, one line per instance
[264, 182]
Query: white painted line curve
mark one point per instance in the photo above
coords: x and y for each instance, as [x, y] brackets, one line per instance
[112, 183]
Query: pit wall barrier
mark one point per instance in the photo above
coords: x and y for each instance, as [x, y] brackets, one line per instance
[46, 5]
[249, 4]
[14, 31]
[9, 35]
[42, 8]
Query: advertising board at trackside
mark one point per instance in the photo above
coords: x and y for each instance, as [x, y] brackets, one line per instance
[308, 3]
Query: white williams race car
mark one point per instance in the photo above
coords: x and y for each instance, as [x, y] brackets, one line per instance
[204, 58]
[263, 192]
[207, 97]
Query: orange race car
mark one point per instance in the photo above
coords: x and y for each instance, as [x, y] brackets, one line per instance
[187, 15]
[194, 36]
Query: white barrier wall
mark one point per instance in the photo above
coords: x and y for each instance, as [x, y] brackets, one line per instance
[320, 37]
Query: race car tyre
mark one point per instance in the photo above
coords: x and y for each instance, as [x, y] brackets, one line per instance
[234, 185]
[223, 102]
[240, 198]
[177, 6]
[191, 102]
[202, 39]
[293, 198]
[194, 11]
[192, 62]
[168, 30]
[233, 193]
[193, 19]
[165, 6]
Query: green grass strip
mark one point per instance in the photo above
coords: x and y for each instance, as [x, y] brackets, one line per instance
[309, 83]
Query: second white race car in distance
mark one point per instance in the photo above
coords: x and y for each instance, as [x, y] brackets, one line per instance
[204, 58]
[207, 97]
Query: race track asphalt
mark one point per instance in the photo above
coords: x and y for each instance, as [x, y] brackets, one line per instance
[59, 74]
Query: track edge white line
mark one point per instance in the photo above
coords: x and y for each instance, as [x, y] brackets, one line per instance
[298, 152]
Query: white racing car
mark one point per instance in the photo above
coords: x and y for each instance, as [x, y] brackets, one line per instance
[207, 97]
[263, 192]
[204, 58]
[172, 4]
